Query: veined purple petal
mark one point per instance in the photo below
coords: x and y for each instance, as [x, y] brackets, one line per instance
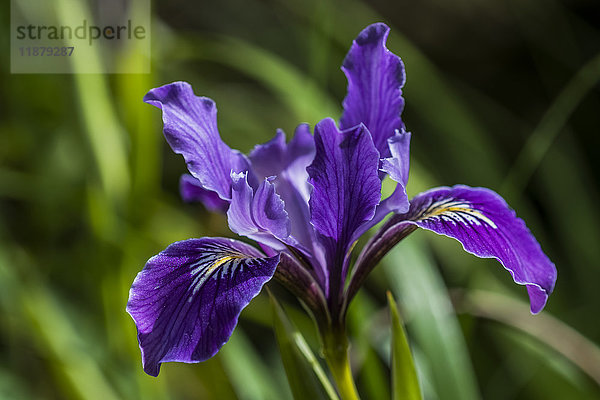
[187, 299]
[269, 212]
[270, 159]
[300, 152]
[192, 191]
[398, 165]
[375, 79]
[484, 224]
[287, 163]
[190, 127]
[258, 214]
[346, 191]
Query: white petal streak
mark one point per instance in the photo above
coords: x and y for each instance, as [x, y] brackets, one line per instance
[454, 211]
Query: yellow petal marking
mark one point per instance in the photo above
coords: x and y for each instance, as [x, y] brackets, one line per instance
[458, 212]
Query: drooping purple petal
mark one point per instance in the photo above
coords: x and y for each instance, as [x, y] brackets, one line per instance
[190, 127]
[192, 191]
[346, 191]
[187, 299]
[258, 214]
[486, 227]
[375, 79]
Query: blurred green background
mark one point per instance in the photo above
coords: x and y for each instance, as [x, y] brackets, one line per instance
[502, 94]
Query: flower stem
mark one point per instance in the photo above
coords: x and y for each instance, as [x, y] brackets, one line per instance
[335, 350]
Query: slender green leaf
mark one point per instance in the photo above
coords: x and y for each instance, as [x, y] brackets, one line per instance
[405, 384]
[433, 322]
[306, 377]
[369, 346]
[102, 125]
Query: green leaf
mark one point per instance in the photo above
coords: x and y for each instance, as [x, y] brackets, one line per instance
[369, 347]
[405, 385]
[102, 125]
[306, 377]
[434, 325]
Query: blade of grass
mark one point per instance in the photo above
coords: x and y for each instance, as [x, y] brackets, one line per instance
[431, 317]
[140, 121]
[369, 349]
[102, 126]
[305, 375]
[405, 385]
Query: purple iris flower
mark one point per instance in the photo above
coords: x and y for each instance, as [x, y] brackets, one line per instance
[305, 203]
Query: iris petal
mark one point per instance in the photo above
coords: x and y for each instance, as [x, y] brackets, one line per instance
[187, 299]
[375, 79]
[397, 167]
[346, 190]
[190, 127]
[484, 224]
[287, 163]
[258, 214]
[191, 191]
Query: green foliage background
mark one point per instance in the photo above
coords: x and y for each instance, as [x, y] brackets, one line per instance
[502, 94]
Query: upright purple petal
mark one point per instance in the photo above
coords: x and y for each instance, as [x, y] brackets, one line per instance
[398, 165]
[287, 164]
[270, 159]
[258, 214]
[375, 79]
[192, 191]
[486, 227]
[300, 152]
[346, 191]
[190, 127]
[269, 212]
[187, 299]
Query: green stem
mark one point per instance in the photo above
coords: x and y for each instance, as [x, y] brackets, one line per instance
[335, 350]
